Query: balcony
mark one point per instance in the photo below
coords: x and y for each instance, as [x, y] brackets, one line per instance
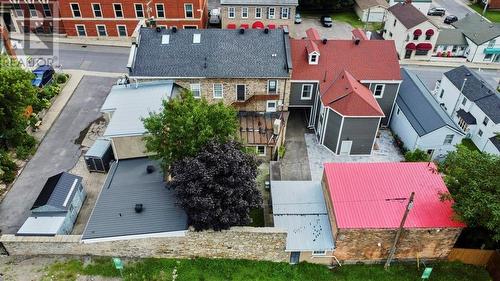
[259, 97]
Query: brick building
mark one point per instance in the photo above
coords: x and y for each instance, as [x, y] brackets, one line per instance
[116, 18]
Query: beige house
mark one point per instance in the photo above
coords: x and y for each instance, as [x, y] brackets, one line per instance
[371, 10]
[257, 13]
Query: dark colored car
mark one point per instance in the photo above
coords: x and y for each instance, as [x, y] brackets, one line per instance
[450, 19]
[43, 75]
[436, 12]
[326, 21]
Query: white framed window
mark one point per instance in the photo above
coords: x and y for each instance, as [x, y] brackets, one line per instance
[258, 12]
[448, 139]
[122, 30]
[75, 9]
[485, 121]
[480, 133]
[319, 253]
[188, 10]
[18, 10]
[261, 150]
[160, 10]
[272, 86]
[47, 12]
[397, 112]
[307, 90]
[271, 13]
[96, 7]
[218, 91]
[464, 101]
[139, 10]
[32, 9]
[441, 94]
[117, 7]
[492, 43]
[244, 12]
[378, 91]
[196, 90]
[313, 58]
[231, 12]
[285, 13]
[101, 30]
[241, 91]
[80, 30]
[271, 105]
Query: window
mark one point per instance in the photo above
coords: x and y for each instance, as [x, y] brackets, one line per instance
[122, 30]
[258, 12]
[492, 43]
[80, 30]
[230, 12]
[101, 30]
[46, 10]
[32, 9]
[464, 101]
[75, 8]
[454, 49]
[218, 91]
[488, 57]
[480, 133]
[462, 124]
[272, 86]
[190, 26]
[428, 37]
[390, 34]
[240, 92]
[379, 90]
[271, 13]
[415, 37]
[80, 187]
[261, 150]
[118, 10]
[97, 10]
[188, 10]
[421, 52]
[319, 253]
[196, 90]
[19, 11]
[285, 13]
[313, 59]
[307, 90]
[397, 112]
[394, 24]
[160, 11]
[485, 121]
[139, 10]
[448, 139]
[271, 106]
[441, 94]
[244, 12]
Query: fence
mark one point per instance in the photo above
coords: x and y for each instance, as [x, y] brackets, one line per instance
[471, 256]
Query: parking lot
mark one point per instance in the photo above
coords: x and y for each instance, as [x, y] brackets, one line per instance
[339, 30]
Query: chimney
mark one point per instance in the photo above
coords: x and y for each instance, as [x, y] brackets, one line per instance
[150, 169]
[324, 41]
[174, 29]
[158, 29]
[356, 41]
[138, 208]
[266, 30]
[242, 30]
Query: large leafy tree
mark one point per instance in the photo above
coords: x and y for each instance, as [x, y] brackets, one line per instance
[185, 125]
[473, 179]
[217, 187]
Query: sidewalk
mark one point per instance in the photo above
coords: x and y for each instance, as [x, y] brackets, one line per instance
[451, 64]
[105, 41]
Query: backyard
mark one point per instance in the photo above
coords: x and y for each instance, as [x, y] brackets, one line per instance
[493, 16]
[349, 17]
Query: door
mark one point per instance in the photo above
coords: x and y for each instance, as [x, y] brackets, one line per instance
[408, 54]
[345, 147]
[294, 257]
[496, 58]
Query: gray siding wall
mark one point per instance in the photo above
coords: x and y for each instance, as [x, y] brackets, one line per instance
[362, 132]
[387, 100]
[316, 117]
[332, 130]
[296, 93]
[71, 215]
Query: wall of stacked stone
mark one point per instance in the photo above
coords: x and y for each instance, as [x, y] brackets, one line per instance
[263, 243]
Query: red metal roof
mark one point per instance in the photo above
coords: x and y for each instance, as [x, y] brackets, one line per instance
[349, 97]
[375, 195]
[360, 34]
[312, 34]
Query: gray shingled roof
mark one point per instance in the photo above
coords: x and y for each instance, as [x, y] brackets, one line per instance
[467, 117]
[57, 190]
[477, 29]
[128, 184]
[495, 140]
[477, 90]
[407, 14]
[260, 2]
[422, 111]
[451, 37]
[221, 53]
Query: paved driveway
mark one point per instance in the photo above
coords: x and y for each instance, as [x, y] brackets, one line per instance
[57, 152]
[339, 30]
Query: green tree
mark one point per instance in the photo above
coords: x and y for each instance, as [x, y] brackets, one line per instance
[416, 156]
[473, 180]
[185, 125]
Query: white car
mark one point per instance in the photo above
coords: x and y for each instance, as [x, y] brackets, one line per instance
[214, 17]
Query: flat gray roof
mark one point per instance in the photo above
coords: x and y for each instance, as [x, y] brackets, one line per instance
[260, 2]
[477, 29]
[451, 37]
[300, 208]
[129, 184]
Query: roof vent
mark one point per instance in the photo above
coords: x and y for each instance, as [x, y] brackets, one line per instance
[158, 29]
[266, 30]
[150, 169]
[324, 41]
[467, 74]
[165, 39]
[356, 41]
[196, 38]
[174, 29]
[242, 30]
[138, 208]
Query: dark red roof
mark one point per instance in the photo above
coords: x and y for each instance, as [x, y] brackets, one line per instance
[312, 34]
[360, 34]
[375, 195]
[407, 14]
[349, 97]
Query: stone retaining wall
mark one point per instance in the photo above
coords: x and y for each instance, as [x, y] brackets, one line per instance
[263, 243]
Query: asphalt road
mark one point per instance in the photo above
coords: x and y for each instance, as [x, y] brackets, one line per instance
[453, 7]
[57, 152]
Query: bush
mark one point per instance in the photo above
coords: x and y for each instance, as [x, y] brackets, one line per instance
[281, 152]
[8, 168]
[26, 148]
[417, 156]
[50, 91]
[61, 78]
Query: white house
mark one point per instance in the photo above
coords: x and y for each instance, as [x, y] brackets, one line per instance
[422, 5]
[413, 34]
[371, 10]
[451, 43]
[482, 38]
[420, 122]
[473, 104]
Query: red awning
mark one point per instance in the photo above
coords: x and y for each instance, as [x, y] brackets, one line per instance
[429, 32]
[411, 46]
[272, 26]
[257, 25]
[417, 32]
[244, 25]
[231, 26]
[424, 46]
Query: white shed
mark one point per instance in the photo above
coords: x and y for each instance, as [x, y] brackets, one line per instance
[371, 10]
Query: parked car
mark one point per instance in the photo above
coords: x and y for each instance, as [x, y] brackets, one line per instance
[326, 21]
[298, 19]
[436, 11]
[450, 19]
[43, 75]
[214, 17]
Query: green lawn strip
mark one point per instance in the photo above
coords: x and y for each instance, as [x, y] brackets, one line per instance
[493, 16]
[349, 17]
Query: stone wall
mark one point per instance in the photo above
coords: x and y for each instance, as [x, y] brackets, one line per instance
[238, 20]
[262, 243]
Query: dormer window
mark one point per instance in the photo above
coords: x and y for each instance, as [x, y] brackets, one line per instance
[313, 58]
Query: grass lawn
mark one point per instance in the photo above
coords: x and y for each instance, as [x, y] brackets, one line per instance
[493, 16]
[349, 17]
[243, 270]
[469, 144]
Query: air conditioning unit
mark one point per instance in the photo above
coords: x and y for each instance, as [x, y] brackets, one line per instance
[277, 126]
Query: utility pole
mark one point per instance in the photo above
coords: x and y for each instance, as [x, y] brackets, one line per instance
[409, 206]
[485, 7]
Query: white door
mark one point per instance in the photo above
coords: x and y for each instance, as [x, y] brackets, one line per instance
[345, 147]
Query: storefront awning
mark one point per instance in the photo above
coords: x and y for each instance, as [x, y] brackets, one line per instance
[424, 46]
[492, 51]
[244, 25]
[411, 46]
[257, 25]
[429, 32]
[272, 26]
[231, 26]
[417, 32]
